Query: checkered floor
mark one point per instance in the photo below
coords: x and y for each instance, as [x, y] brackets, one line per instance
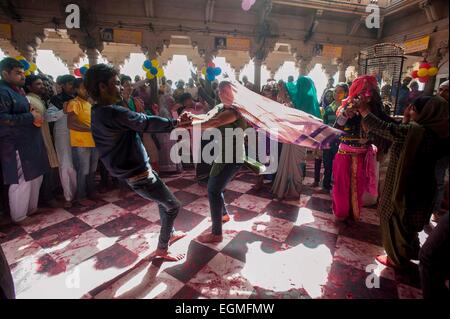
[271, 249]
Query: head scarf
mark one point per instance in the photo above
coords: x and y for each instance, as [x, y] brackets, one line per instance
[307, 96]
[325, 100]
[291, 88]
[434, 115]
[364, 85]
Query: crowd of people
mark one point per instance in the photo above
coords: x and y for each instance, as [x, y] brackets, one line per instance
[55, 136]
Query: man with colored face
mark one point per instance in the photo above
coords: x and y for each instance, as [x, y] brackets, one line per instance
[116, 134]
[22, 150]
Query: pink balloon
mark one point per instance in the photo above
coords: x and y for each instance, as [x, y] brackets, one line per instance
[247, 4]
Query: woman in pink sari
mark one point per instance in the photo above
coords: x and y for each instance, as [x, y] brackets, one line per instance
[354, 167]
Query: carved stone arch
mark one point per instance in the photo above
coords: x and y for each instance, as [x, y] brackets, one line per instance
[27, 38]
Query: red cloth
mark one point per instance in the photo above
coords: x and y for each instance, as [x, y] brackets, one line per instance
[285, 124]
[363, 86]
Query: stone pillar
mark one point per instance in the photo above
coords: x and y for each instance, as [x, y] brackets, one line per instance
[237, 74]
[71, 69]
[330, 70]
[257, 84]
[27, 38]
[92, 55]
[342, 68]
[304, 65]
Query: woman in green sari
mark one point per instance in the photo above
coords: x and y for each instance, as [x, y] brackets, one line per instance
[306, 97]
[406, 202]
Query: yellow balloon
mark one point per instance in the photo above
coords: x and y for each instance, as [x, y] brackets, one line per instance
[33, 67]
[87, 66]
[155, 63]
[160, 73]
[150, 76]
[204, 70]
[27, 73]
[19, 58]
[422, 72]
[433, 71]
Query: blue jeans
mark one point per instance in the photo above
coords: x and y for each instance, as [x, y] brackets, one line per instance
[85, 160]
[328, 157]
[441, 168]
[216, 186]
[153, 188]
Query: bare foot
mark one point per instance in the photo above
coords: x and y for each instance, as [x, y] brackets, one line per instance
[176, 236]
[210, 238]
[226, 218]
[166, 255]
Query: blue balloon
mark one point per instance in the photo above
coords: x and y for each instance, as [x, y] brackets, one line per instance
[217, 71]
[25, 64]
[210, 70]
[153, 70]
[210, 77]
[148, 64]
[83, 70]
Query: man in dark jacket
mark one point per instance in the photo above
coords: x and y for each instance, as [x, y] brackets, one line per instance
[22, 150]
[116, 134]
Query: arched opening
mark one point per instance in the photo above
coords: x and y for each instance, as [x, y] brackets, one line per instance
[287, 69]
[249, 72]
[50, 64]
[179, 68]
[226, 68]
[317, 74]
[133, 65]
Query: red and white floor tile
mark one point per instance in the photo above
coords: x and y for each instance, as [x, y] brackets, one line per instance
[271, 249]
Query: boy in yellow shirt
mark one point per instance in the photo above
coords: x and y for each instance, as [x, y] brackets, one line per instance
[85, 155]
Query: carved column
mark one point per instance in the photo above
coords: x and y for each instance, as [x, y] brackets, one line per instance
[91, 45]
[342, 68]
[258, 63]
[304, 65]
[8, 48]
[429, 9]
[330, 70]
[27, 39]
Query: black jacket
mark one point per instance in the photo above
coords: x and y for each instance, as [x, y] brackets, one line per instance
[116, 134]
[17, 133]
